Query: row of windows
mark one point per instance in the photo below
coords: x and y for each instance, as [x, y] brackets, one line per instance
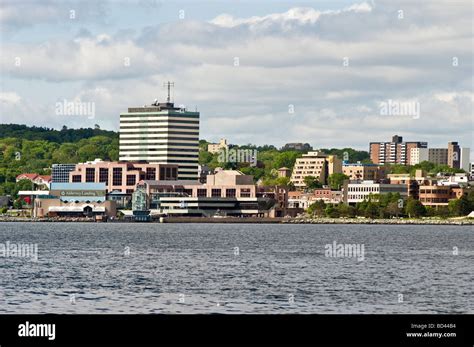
[159, 132]
[179, 115]
[363, 189]
[158, 144]
[163, 156]
[165, 150]
[160, 138]
[434, 200]
[434, 191]
[159, 127]
[144, 121]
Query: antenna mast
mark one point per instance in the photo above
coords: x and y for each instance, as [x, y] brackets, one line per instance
[169, 85]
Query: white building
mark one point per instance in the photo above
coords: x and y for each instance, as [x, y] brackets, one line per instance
[417, 155]
[454, 180]
[465, 158]
[360, 191]
[161, 133]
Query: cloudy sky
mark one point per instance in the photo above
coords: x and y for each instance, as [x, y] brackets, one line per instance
[259, 71]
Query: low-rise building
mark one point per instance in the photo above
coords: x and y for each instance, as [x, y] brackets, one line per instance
[355, 192]
[316, 164]
[363, 172]
[225, 193]
[74, 200]
[121, 176]
[35, 178]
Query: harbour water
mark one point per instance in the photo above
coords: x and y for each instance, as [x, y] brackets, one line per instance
[236, 268]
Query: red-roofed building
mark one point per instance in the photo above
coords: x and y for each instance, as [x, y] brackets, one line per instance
[35, 178]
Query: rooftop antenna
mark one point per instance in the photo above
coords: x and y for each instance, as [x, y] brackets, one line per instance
[169, 85]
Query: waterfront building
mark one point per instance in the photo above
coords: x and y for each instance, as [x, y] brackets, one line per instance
[440, 195]
[412, 183]
[74, 200]
[393, 152]
[60, 172]
[301, 200]
[316, 164]
[121, 177]
[161, 133]
[225, 193]
[355, 192]
[217, 147]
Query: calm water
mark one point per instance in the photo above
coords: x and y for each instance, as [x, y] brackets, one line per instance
[195, 268]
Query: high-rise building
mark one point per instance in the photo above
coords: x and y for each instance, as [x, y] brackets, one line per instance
[433, 155]
[315, 164]
[418, 155]
[60, 172]
[465, 158]
[454, 155]
[161, 133]
[394, 152]
[438, 156]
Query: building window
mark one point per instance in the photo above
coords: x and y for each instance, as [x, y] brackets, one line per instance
[104, 175]
[162, 173]
[215, 193]
[131, 180]
[245, 193]
[151, 173]
[202, 192]
[130, 191]
[188, 192]
[90, 174]
[117, 176]
[76, 178]
[230, 193]
[174, 173]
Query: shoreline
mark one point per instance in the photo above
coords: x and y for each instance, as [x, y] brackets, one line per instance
[255, 220]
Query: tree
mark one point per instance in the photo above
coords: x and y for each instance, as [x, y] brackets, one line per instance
[312, 182]
[393, 209]
[346, 210]
[317, 208]
[459, 207]
[371, 210]
[331, 212]
[336, 180]
[414, 208]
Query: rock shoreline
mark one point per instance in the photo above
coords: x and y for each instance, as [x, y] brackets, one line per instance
[380, 221]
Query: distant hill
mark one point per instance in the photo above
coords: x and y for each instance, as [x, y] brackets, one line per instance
[59, 136]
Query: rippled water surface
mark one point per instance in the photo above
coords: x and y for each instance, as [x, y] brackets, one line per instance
[196, 268]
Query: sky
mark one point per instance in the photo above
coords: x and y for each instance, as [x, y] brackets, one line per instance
[329, 73]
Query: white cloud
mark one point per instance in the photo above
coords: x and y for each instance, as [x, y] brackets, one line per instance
[294, 57]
